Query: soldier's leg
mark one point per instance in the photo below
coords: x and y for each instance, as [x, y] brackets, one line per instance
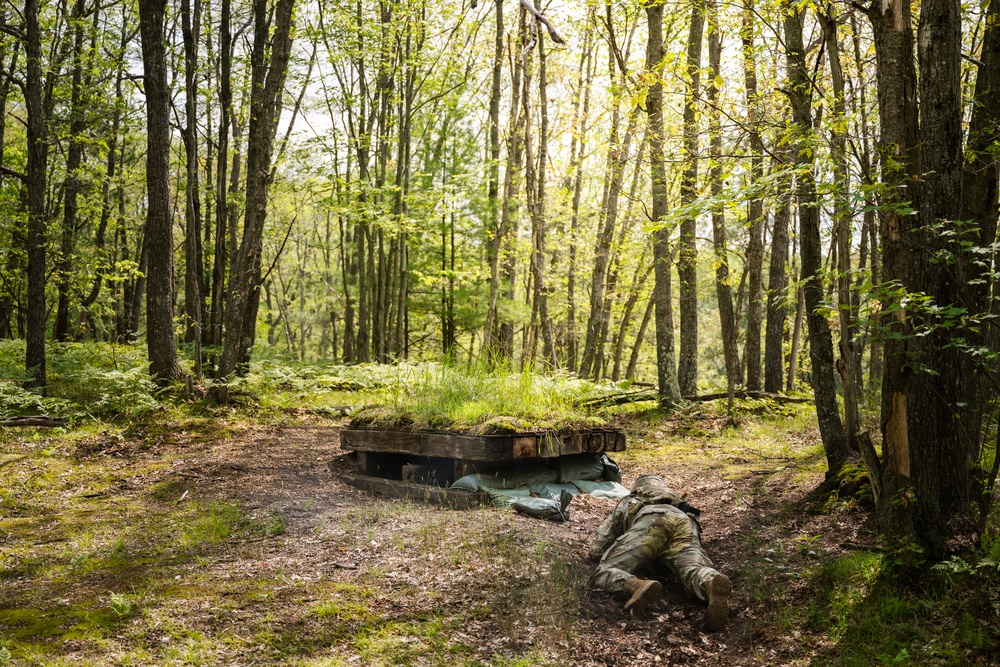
[685, 558]
[639, 546]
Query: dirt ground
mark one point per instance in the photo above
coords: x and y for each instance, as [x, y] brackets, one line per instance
[337, 533]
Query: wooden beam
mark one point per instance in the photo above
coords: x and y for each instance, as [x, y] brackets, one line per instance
[485, 448]
[445, 497]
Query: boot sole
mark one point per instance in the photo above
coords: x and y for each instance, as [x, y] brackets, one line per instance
[641, 599]
[718, 603]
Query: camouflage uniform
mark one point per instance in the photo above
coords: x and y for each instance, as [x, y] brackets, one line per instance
[645, 531]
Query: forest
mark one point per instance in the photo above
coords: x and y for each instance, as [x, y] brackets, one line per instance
[756, 238]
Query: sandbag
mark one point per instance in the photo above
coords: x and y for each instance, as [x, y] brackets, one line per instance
[579, 466]
[603, 489]
[507, 478]
[550, 508]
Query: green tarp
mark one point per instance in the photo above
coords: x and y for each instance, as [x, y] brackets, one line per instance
[544, 492]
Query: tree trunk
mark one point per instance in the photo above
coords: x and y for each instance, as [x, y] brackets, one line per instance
[777, 286]
[618, 153]
[72, 185]
[666, 366]
[633, 297]
[164, 365]
[850, 350]
[723, 292]
[926, 475]
[111, 172]
[634, 357]
[687, 259]
[504, 329]
[578, 156]
[35, 186]
[538, 223]
[870, 230]
[755, 207]
[494, 240]
[266, 86]
[191, 28]
[222, 206]
[820, 341]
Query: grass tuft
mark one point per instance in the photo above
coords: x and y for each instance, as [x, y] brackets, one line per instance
[481, 400]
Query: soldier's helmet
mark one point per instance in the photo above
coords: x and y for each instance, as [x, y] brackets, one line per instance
[654, 489]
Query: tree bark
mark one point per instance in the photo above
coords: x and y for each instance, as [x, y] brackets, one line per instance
[820, 340]
[666, 367]
[777, 286]
[723, 291]
[578, 156]
[72, 184]
[266, 86]
[538, 223]
[222, 206]
[850, 350]
[639, 337]
[687, 256]
[755, 207]
[494, 242]
[618, 153]
[641, 276]
[35, 186]
[164, 365]
[504, 327]
[191, 28]
[932, 393]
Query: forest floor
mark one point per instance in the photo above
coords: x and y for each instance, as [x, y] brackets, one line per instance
[214, 541]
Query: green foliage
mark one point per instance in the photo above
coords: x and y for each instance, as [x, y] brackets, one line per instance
[212, 524]
[85, 380]
[120, 604]
[481, 399]
[879, 619]
[16, 401]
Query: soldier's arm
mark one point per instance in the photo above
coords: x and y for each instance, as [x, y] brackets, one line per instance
[604, 537]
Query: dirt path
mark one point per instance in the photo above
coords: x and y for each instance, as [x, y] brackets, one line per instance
[221, 544]
[336, 533]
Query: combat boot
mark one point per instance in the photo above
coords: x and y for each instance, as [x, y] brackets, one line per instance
[644, 592]
[718, 602]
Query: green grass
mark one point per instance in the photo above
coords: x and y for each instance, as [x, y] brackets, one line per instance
[481, 399]
[102, 563]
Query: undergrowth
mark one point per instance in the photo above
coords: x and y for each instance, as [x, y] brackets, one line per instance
[481, 399]
[871, 617]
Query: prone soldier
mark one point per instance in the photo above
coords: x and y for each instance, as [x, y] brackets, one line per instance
[655, 527]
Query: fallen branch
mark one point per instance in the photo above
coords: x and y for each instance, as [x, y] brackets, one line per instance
[34, 420]
[621, 399]
[777, 398]
[852, 546]
[648, 395]
[13, 460]
[339, 410]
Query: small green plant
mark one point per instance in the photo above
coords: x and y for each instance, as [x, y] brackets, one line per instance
[273, 525]
[212, 525]
[121, 605]
[79, 561]
[807, 541]
[4, 655]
